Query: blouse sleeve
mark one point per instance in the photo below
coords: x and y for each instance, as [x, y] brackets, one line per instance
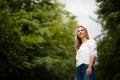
[93, 48]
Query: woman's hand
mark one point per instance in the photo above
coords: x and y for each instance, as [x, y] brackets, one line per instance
[88, 71]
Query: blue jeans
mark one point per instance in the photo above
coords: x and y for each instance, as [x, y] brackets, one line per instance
[81, 73]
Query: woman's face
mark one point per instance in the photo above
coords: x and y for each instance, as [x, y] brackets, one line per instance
[81, 32]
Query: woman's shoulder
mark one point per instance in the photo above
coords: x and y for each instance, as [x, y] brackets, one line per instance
[92, 41]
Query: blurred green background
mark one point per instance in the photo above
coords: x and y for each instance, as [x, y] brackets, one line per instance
[37, 40]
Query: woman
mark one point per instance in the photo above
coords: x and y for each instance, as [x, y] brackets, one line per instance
[86, 54]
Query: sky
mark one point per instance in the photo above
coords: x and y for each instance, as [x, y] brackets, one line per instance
[83, 10]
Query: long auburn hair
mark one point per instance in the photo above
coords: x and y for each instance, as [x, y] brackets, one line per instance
[78, 41]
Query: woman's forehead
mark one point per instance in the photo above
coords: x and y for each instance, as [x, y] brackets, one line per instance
[80, 28]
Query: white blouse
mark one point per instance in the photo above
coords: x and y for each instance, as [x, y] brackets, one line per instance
[87, 49]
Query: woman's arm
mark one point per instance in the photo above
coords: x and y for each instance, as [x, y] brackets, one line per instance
[89, 69]
[93, 55]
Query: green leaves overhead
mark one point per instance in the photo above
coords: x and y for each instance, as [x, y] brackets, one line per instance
[36, 39]
[109, 46]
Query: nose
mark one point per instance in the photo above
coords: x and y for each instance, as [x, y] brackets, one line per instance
[80, 31]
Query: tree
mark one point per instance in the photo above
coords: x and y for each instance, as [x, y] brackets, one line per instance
[108, 47]
[36, 40]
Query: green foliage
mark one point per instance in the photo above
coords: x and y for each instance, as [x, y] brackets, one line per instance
[36, 40]
[109, 46]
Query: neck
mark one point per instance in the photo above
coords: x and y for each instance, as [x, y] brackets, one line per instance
[84, 39]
